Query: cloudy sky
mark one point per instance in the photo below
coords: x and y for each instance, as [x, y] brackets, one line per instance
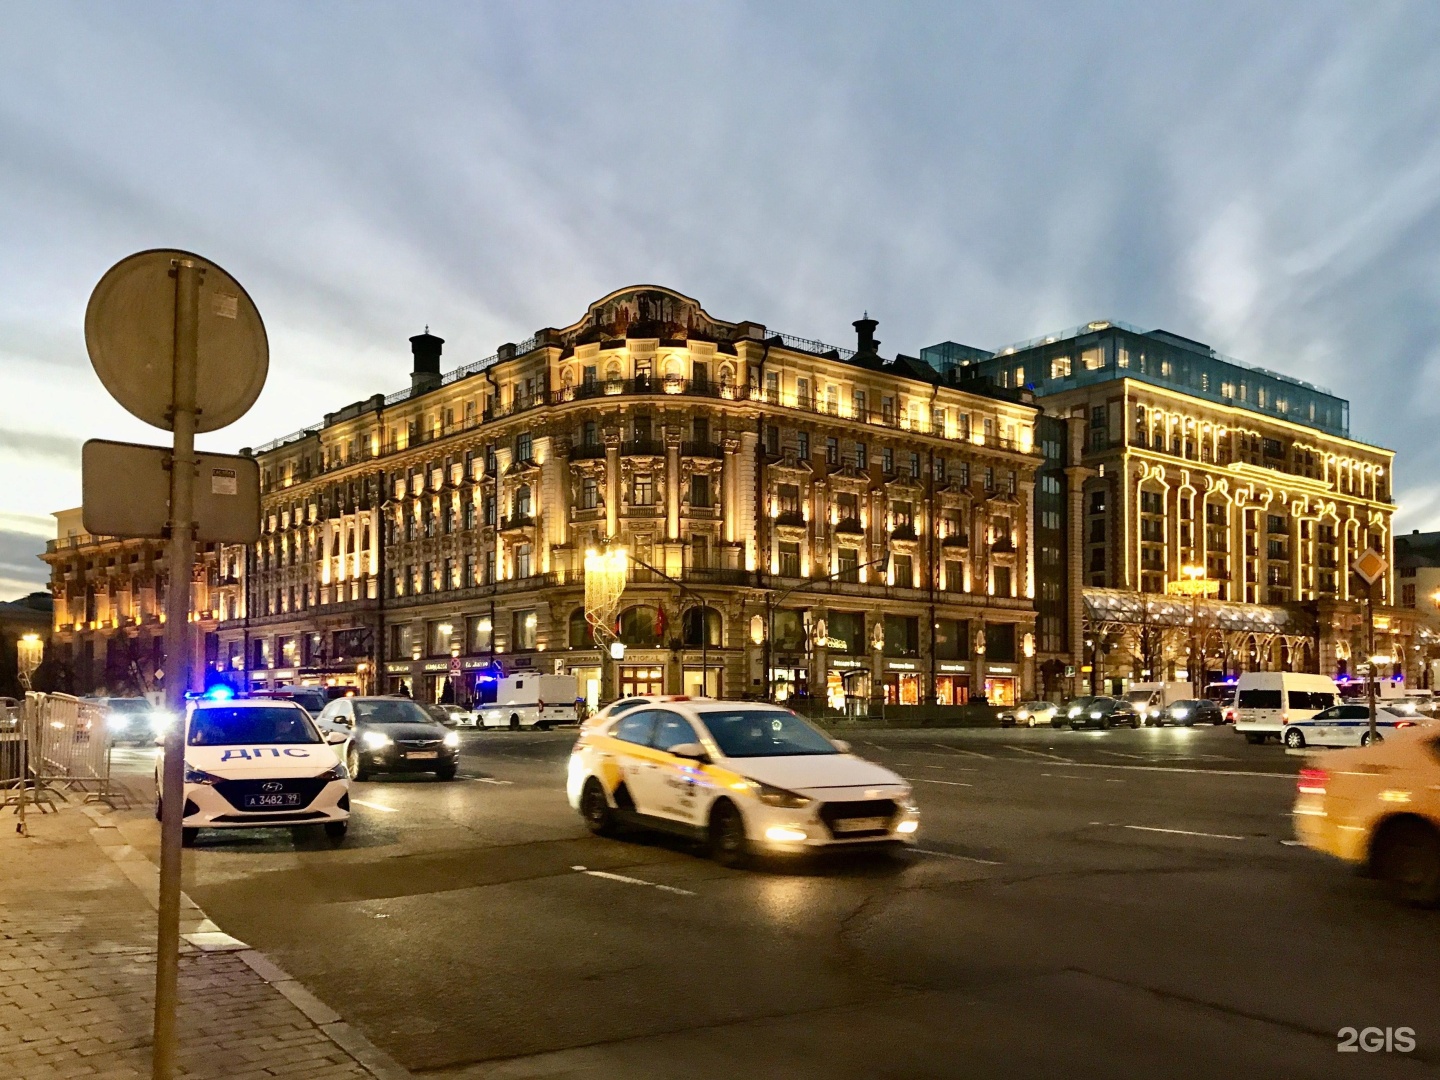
[1265, 178]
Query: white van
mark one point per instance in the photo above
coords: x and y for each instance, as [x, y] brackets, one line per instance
[534, 701]
[1267, 701]
[1151, 699]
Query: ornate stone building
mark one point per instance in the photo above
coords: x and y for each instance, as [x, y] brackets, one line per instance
[803, 519]
[109, 604]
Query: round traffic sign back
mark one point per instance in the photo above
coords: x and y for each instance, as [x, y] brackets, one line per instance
[130, 334]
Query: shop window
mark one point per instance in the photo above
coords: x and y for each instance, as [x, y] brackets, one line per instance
[952, 639]
[479, 635]
[846, 631]
[581, 634]
[700, 626]
[902, 635]
[525, 625]
[640, 625]
[1000, 642]
[789, 630]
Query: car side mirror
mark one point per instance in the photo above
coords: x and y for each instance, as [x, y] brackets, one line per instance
[159, 740]
[841, 745]
[335, 738]
[692, 750]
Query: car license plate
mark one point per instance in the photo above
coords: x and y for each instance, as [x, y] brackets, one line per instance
[272, 802]
[417, 755]
[861, 824]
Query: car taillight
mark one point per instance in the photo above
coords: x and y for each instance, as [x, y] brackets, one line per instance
[1404, 723]
[1313, 781]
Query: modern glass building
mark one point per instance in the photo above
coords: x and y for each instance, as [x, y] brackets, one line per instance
[1100, 351]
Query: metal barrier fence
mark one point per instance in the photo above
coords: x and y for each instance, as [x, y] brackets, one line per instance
[60, 745]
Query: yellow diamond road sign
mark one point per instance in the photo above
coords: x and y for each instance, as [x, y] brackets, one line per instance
[1369, 566]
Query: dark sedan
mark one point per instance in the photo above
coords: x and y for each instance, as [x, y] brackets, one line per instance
[1102, 712]
[392, 734]
[1193, 711]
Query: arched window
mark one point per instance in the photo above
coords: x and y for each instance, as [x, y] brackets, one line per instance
[640, 625]
[612, 371]
[700, 626]
[582, 636]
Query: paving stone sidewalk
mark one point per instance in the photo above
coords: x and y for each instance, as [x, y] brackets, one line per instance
[77, 973]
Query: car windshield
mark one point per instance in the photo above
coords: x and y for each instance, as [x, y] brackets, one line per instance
[397, 711]
[764, 733]
[250, 725]
[128, 705]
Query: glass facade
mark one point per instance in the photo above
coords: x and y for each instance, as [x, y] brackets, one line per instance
[1101, 351]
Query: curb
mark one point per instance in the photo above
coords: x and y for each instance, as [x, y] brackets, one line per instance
[200, 933]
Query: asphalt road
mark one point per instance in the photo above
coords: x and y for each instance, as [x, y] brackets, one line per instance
[1098, 904]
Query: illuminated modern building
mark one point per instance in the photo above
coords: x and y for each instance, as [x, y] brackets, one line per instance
[1194, 460]
[873, 511]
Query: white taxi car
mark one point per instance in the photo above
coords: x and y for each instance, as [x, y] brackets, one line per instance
[742, 777]
[253, 763]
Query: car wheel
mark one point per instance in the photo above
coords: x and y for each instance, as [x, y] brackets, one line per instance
[1031, 723]
[1295, 739]
[188, 836]
[335, 830]
[1134, 723]
[356, 764]
[1105, 723]
[1074, 727]
[159, 808]
[1406, 856]
[595, 809]
[1254, 738]
[1365, 739]
[728, 845]
[514, 722]
[542, 725]
[445, 772]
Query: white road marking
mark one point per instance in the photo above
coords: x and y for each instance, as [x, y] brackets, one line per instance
[1293, 843]
[1067, 776]
[487, 780]
[1170, 768]
[1116, 753]
[1037, 753]
[375, 806]
[1183, 832]
[962, 750]
[927, 780]
[632, 881]
[962, 858]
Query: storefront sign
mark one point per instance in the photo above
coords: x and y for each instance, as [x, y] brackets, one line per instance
[524, 661]
[397, 669]
[899, 665]
[286, 673]
[437, 665]
[846, 664]
[961, 668]
[999, 669]
[838, 644]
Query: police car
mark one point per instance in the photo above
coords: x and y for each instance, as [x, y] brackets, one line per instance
[1347, 725]
[741, 777]
[256, 763]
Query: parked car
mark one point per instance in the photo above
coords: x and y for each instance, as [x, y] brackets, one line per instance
[392, 735]
[455, 715]
[1151, 699]
[1378, 808]
[1189, 712]
[531, 700]
[1103, 712]
[1266, 702]
[133, 719]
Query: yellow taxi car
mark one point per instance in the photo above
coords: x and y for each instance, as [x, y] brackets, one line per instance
[1378, 807]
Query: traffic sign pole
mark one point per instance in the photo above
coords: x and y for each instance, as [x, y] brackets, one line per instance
[178, 660]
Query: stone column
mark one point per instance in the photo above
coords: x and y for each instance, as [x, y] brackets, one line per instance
[730, 486]
[672, 485]
[612, 485]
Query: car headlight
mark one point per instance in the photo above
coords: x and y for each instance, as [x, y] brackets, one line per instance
[338, 771]
[1182, 713]
[774, 796]
[1021, 714]
[1073, 712]
[452, 739]
[200, 776]
[160, 720]
[374, 740]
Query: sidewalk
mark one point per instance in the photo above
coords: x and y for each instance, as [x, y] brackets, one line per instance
[77, 972]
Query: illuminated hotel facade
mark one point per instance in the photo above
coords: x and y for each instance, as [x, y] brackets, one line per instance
[820, 523]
